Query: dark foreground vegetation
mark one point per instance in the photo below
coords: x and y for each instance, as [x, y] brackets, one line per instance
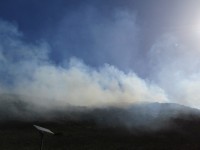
[87, 135]
[151, 126]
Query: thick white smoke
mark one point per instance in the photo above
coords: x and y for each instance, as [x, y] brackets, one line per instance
[27, 71]
[79, 85]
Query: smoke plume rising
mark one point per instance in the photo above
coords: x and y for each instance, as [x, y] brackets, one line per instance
[26, 70]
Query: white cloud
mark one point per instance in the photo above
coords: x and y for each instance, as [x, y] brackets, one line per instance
[80, 85]
[29, 73]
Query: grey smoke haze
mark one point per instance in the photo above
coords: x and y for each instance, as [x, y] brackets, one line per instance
[27, 70]
[176, 69]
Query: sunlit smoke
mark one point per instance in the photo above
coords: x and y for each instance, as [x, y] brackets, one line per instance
[176, 70]
[173, 75]
[29, 72]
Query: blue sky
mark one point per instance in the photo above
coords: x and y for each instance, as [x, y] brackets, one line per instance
[130, 50]
[68, 25]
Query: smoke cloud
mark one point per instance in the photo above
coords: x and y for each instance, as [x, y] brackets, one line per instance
[108, 57]
[27, 71]
[175, 68]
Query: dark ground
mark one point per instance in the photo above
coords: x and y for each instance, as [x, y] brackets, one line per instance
[87, 135]
[99, 129]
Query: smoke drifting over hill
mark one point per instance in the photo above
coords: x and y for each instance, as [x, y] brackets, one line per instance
[26, 70]
[37, 83]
